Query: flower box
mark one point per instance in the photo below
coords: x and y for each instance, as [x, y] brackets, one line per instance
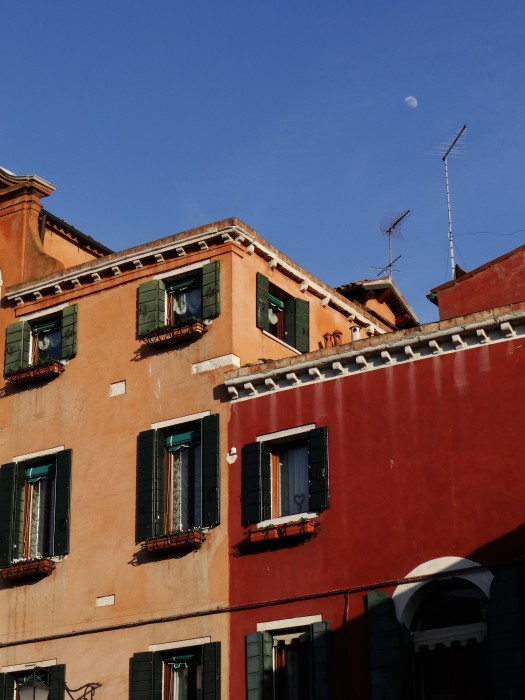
[192, 539]
[303, 528]
[176, 334]
[263, 534]
[37, 373]
[28, 569]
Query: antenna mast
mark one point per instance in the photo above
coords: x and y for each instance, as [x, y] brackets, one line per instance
[392, 228]
[445, 161]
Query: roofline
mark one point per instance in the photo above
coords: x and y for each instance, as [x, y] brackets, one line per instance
[385, 283]
[88, 241]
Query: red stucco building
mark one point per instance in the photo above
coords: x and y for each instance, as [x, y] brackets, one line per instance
[376, 514]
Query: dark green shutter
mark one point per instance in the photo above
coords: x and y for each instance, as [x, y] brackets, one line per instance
[17, 344]
[69, 331]
[321, 660]
[256, 483]
[151, 306]
[385, 643]
[211, 671]
[63, 502]
[259, 666]
[318, 469]
[211, 290]
[210, 470]
[146, 676]
[506, 635]
[8, 510]
[159, 485]
[7, 686]
[297, 324]
[145, 509]
[57, 679]
[263, 289]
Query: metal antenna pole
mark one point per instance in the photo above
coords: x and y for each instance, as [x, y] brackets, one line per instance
[450, 237]
[391, 230]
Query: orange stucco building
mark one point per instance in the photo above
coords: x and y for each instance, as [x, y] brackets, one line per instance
[114, 449]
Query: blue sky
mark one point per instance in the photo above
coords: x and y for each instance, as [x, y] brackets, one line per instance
[155, 117]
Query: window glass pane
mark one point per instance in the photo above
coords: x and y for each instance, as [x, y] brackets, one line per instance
[38, 519]
[185, 304]
[293, 477]
[185, 478]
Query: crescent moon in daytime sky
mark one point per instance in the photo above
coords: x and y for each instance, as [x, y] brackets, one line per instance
[411, 102]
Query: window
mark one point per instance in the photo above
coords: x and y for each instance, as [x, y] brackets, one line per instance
[289, 664]
[186, 673]
[34, 508]
[41, 340]
[179, 300]
[285, 476]
[54, 677]
[282, 316]
[178, 478]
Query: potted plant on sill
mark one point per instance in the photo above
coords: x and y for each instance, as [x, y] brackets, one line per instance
[263, 534]
[29, 568]
[301, 528]
[185, 330]
[37, 372]
[187, 539]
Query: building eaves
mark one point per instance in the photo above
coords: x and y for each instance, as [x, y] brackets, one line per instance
[83, 239]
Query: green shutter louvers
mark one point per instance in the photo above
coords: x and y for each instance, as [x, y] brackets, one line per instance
[211, 290]
[69, 323]
[17, 344]
[210, 470]
[262, 292]
[151, 307]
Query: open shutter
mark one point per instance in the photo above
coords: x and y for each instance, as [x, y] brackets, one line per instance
[211, 290]
[7, 686]
[321, 660]
[146, 676]
[259, 666]
[57, 679]
[506, 635]
[159, 485]
[69, 331]
[62, 503]
[17, 343]
[297, 324]
[211, 671]
[318, 469]
[151, 306]
[385, 642]
[210, 470]
[145, 509]
[8, 510]
[256, 483]
[263, 289]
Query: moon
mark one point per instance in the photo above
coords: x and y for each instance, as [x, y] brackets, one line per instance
[411, 102]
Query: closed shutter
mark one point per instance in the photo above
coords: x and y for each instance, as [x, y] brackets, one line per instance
[145, 509]
[259, 666]
[318, 469]
[506, 635]
[17, 344]
[57, 680]
[297, 324]
[321, 660]
[263, 289]
[69, 331]
[385, 643]
[8, 492]
[62, 503]
[151, 306]
[256, 483]
[210, 470]
[146, 676]
[211, 671]
[211, 290]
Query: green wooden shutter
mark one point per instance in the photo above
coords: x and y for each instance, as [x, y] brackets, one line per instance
[63, 502]
[146, 676]
[256, 483]
[259, 666]
[321, 660]
[263, 289]
[145, 508]
[8, 509]
[7, 686]
[506, 635]
[210, 470]
[69, 325]
[385, 643]
[17, 344]
[151, 306]
[297, 324]
[211, 290]
[211, 671]
[160, 485]
[318, 469]
[57, 679]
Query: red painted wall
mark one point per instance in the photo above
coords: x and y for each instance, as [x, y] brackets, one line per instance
[497, 283]
[426, 460]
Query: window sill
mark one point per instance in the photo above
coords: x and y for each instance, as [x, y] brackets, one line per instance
[192, 539]
[37, 373]
[32, 568]
[175, 334]
[303, 529]
[282, 342]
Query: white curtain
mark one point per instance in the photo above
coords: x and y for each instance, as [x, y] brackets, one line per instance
[187, 303]
[294, 481]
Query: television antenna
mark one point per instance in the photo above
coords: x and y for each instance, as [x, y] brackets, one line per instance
[392, 228]
[456, 144]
